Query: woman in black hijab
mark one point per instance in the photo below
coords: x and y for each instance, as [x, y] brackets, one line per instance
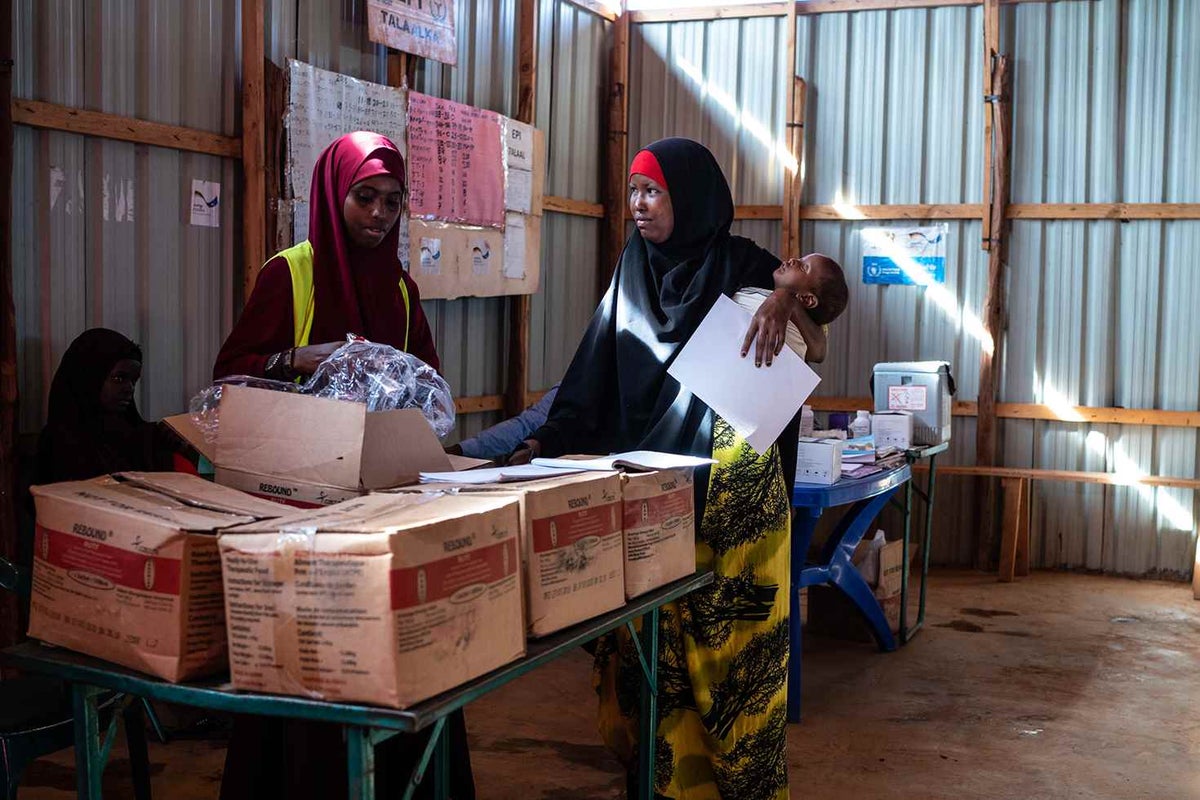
[724, 649]
[93, 427]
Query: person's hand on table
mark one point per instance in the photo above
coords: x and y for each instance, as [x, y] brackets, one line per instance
[528, 451]
[768, 327]
[305, 360]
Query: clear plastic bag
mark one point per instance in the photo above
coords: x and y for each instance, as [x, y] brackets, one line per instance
[384, 378]
[377, 375]
[205, 406]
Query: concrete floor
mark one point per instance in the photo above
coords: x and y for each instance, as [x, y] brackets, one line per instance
[1057, 686]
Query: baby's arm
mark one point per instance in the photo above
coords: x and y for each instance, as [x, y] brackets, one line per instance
[812, 333]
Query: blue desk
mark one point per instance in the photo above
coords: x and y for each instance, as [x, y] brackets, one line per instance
[867, 497]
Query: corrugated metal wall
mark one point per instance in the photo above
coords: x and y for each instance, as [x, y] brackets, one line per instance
[101, 233]
[1101, 313]
[102, 237]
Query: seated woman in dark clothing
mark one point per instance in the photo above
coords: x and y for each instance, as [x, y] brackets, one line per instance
[93, 427]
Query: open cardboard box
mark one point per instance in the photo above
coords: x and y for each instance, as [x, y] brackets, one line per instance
[308, 451]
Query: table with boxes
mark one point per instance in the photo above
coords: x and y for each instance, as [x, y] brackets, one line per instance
[316, 567]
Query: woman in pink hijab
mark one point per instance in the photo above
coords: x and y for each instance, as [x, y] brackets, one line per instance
[346, 278]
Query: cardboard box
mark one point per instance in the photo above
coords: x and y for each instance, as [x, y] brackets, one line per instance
[572, 545]
[659, 520]
[832, 614]
[819, 462]
[892, 429]
[387, 599]
[126, 569]
[318, 449]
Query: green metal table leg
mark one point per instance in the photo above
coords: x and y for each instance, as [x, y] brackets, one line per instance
[925, 547]
[904, 576]
[438, 743]
[89, 759]
[647, 646]
[441, 762]
[360, 762]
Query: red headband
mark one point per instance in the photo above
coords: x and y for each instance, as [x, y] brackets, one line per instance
[644, 163]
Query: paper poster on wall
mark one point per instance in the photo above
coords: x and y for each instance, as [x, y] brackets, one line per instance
[481, 257]
[514, 247]
[518, 191]
[431, 256]
[456, 166]
[324, 105]
[904, 255]
[422, 27]
[518, 144]
[206, 203]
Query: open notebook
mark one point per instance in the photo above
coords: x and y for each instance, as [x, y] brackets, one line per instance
[646, 460]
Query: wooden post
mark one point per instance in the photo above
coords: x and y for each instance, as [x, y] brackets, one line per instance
[995, 308]
[1196, 573]
[792, 181]
[616, 157]
[254, 179]
[274, 107]
[516, 396]
[991, 48]
[399, 67]
[9, 626]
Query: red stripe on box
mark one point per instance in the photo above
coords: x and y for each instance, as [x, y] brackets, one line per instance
[88, 558]
[438, 580]
[564, 530]
[653, 511]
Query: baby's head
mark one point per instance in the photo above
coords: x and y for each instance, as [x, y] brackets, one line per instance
[820, 284]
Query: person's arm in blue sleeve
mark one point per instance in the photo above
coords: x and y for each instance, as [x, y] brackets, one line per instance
[498, 441]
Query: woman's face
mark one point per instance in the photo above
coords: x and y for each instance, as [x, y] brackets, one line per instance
[116, 393]
[651, 208]
[371, 208]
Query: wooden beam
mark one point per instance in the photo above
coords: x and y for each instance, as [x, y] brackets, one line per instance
[275, 157]
[51, 116]
[999, 111]
[1116, 211]
[885, 212]
[1066, 476]
[841, 6]
[1014, 490]
[479, 404]
[254, 180]
[794, 121]
[1084, 415]
[745, 11]
[597, 7]
[616, 154]
[1196, 572]
[10, 622]
[578, 208]
[516, 395]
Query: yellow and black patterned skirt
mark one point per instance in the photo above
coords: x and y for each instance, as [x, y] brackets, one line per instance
[723, 650]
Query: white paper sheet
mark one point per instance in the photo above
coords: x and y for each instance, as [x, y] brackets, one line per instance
[205, 202]
[524, 472]
[758, 402]
[514, 246]
[518, 190]
[518, 144]
[636, 459]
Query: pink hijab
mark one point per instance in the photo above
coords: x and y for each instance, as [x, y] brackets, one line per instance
[344, 273]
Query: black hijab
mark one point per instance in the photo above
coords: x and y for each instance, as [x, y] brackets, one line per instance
[80, 440]
[617, 395]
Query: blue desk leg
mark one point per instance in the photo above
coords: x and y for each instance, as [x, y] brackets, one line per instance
[89, 761]
[803, 525]
[839, 555]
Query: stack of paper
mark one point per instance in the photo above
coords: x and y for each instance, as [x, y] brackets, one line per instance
[524, 472]
[647, 460]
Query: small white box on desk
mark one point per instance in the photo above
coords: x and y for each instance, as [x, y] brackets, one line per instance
[893, 429]
[819, 461]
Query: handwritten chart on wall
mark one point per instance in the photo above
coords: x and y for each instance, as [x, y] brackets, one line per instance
[324, 105]
[456, 168]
